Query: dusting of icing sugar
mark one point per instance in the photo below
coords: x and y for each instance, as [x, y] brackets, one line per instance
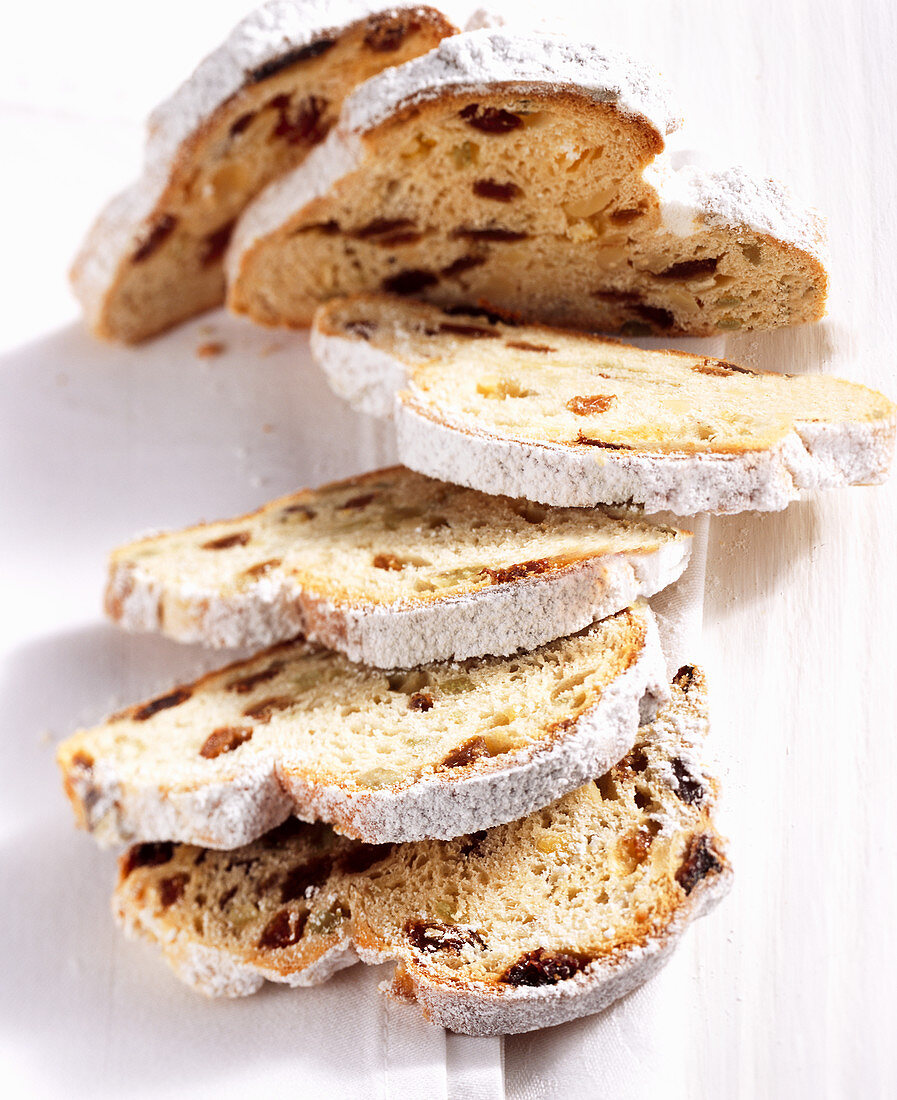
[264, 35]
[691, 195]
[482, 58]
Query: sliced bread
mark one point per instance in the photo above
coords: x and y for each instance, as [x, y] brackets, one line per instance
[438, 751]
[524, 926]
[571, 419]
[251, 111]
[393, 569]
[518, 170]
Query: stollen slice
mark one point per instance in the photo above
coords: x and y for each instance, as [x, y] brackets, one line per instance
[522, 171]
[437, 751]
[524, 926]
[251, 111]
[393, 569]
[572, 419]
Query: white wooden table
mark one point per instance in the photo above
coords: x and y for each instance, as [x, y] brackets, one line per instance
[787, 989]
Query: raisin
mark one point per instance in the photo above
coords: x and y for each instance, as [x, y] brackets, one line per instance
[362, 858]
[388, 562]
[688, 269]
[224, 739]
[450, 329]
[359, 502]
[660, 318]
[82, 759]
[225, 542]
[215, 244]
[541, 967]
[490, 120]
[409, 281]
[160, 231]
[387, 32]
[492, 189]
[282, 930]
[596, 403]
[147, 855]
[516, 572]
[363, 329]
[625, 217]
[720, 368]
[247, 683]
[263, 711]
[472, 749]
[171, 889]
[259, 570]
[462, 264]
[524, 345]
[421, 701]
[173, 699]
[226, 897]
[379, 226]
[700, 860]
[684, 678]
[238, 126]
[585, 441]
[689, 789]
[303, 123]
[490, 233]
[432, 936]
[307, 876]
[291, 57]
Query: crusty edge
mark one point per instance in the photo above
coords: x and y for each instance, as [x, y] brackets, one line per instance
[268, 32]
[471, 1011]
[440, 808]
[230, 814]
[498, 620]
[813, 456]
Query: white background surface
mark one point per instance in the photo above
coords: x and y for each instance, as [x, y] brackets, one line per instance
[786, 990]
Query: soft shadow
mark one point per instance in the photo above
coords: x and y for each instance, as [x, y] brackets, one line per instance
[98, 1014]
[804, 349]
[751, 556]
[102, 441]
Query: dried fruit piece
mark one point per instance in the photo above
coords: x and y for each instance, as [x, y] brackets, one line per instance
[291, 57]
[492, 189]
[410, 281]
[462, 264]
[215, 244]
[302, 122]
[158, 234]
[472, 749]
[224, 739]
[358, 502]
[515, 572]
[490, 120]
[259, 570]
[689, 269]
[431, 936]
[700, 860]
[263, 711]
[541, 967]
[147, 855]
[245, 684]
[283, 930]
[689, 788]
[387, 32]
[389, 562]
[421, 701]
[173, 699]
[171, 889]
[596, 403]
[684, 678]
[226, 542]
[474, 331]
[524, 345]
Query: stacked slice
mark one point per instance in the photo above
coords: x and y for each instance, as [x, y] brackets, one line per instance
[423, 759]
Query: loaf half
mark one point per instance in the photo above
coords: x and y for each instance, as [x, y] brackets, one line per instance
[393, 569]
[519, 171]
[571, 419]
[251, 111]
[524, 926]
[438, 751]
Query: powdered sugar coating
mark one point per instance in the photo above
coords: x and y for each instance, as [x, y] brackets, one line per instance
[535, 62]
[231, 813]
[265, 34]
[692, 195]
[500, 620]
[811, 457]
